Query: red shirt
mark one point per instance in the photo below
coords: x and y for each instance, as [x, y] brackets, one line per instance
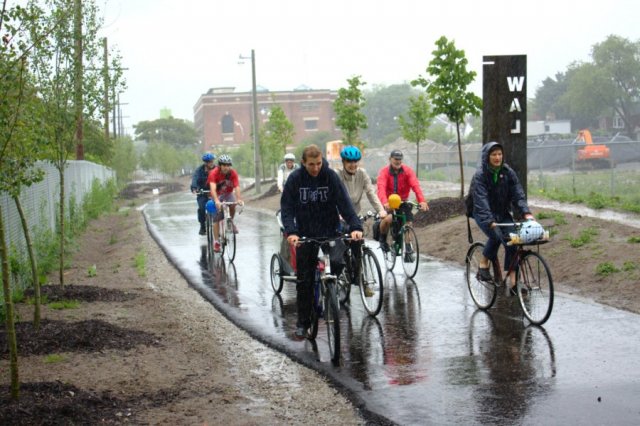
[224, 183]
[398, 183]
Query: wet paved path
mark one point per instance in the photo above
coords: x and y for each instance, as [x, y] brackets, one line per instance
[430, 357]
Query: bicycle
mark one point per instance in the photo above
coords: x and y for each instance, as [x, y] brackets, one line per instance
[363, 272]
[534, 284]
[404, 242]
[325, 297]
[226, 231]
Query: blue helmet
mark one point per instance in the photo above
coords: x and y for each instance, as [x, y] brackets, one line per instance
[351, 153]
[208, 157]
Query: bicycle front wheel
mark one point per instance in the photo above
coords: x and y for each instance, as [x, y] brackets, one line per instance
[483, 293]
[535, 288]
[276, 273]
[410, 252]
[210, 239]
[371, 285]
[344, 287]
[390, 255]
[332, 318]
[230, 238]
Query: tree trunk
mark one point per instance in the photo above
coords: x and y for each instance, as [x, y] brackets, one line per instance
[34, 265]
[61, 274]
[461, 163]
[8, 310]
[418, 159]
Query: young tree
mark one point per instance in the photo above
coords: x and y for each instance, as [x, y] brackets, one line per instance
[384, 105]
[416, 126]
[174, 131]
[448, 91]
[275, 135]
[348, 108]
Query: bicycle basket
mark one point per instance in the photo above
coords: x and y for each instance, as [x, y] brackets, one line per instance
[529, 232]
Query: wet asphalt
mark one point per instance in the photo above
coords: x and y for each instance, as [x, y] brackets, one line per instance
[429, 357]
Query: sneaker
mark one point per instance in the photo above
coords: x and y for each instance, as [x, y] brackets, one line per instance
[368, 291]
[235, 229]
[484, 275]
[409, 257]
[202, 231]
[408, 249]
[301, 332]
[216, 247]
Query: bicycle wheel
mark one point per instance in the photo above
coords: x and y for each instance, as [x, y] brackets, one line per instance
[210, 240]
[230, 239]
[332, 318]
[409, 251]
[483, 293]
[390, 255]
[343, 287]
[371, 277]
[535, 288]
[276, 273]
[316, 311]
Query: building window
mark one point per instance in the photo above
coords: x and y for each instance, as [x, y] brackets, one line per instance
[309, 106]
[618, 123]
[310, 124]
[227, 124]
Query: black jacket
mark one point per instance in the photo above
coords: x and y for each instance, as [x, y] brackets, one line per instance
[493, 202]
[310, 206]
[199, 179]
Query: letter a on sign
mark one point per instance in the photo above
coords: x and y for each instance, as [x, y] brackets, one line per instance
[515, 105]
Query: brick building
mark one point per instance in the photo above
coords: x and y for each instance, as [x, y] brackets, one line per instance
[223, 117]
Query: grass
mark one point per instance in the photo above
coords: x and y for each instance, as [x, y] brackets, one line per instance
[606, 268]
[558, 218]
[586, 236]
[598, 189]
[92, 271]
[64, 304]
[140, 262]
[54, 358]
[634, 240]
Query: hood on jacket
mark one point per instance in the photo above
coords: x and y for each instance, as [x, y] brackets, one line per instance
[486, 150]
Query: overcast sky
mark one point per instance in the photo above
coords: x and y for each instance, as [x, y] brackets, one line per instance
[177, 49]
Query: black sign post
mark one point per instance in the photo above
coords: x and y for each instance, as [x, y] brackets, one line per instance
[504, 112]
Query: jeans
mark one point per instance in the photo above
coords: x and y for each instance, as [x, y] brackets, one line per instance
[493, 243]
[202, 201]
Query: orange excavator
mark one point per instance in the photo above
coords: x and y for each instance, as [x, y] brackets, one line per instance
[592, 155]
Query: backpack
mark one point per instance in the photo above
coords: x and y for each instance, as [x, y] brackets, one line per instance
[468, 202]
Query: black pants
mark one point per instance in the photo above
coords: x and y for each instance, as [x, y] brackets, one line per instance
[306, 264]
[202, 202]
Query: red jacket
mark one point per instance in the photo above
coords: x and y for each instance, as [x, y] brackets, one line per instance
[400, 183]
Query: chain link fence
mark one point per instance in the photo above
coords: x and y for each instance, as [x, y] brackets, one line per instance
[40, 200]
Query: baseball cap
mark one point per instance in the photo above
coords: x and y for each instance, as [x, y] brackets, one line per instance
[397, 154]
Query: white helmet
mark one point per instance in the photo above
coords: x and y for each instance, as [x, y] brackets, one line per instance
[530, 231]
[289, 156]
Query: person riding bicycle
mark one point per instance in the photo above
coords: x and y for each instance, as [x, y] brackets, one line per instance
[285, 170]
[312, 202]
[199, 184]
[223, 182]
[398, 178]
[357, 182]
[495, 189]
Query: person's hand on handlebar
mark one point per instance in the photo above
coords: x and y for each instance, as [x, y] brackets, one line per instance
[423, 206]
[293, 239]
[356, 235]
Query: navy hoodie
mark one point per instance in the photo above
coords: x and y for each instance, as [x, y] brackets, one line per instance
[310, 206]
[492, 202]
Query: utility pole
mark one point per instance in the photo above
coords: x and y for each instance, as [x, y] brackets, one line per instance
[256, 138]
[105, 98]
[77, 35]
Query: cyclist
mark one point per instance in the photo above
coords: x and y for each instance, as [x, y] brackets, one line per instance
[285, 169]
[311, 205]
[398, 178]
[495, 188]
[357, 182]
[223, 182]
[198, 183]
